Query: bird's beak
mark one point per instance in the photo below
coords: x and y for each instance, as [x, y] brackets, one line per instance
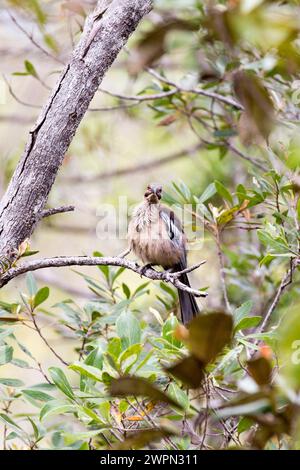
[156, 189]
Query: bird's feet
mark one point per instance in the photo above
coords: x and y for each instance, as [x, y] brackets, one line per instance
[144, 268]
[167, 275]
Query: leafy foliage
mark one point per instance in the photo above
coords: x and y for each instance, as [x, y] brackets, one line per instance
[137, 377]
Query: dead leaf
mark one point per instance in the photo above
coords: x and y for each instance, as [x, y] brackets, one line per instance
[209, 334]
[189, 370]
[260, 370]
[137, 386]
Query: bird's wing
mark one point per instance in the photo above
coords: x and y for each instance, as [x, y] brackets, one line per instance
[175, 230]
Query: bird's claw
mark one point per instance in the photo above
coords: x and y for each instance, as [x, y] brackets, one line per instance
[167, 276]
[144, 268]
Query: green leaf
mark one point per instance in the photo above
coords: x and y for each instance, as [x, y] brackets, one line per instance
[29, 253]
[131, 353]
[41, 296]
[244, 425]
[6, 354]
[88, 371]
[69, 314]
[248, 322]
[128, 329]
[104, 269]
[36, 432]
[208, 193]
[117, 274]
[8, 421]
[61, 381]
[30, 69]
[95, 358]
[136, 386]
[169, 290]
[70, 438]
[126, 290]
[31, 284]
[114, 347]
[168, 331]
[37, 394]
[278, 244]
[179, 395]
[242, 312]
[12, 382]
[55, 407]
[223, 192]
[243, 409]
[51, 42]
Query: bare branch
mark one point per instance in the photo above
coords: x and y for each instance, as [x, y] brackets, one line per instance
[141, 98]
[124, 253]
[36, 44]
[188, 270]
[62, 261]
[18, 100]
[113, 108]
[208, 94]
[286, 280]
[57, 210]
[238, 152]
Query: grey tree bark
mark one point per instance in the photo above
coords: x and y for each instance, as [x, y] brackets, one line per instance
[105, 33]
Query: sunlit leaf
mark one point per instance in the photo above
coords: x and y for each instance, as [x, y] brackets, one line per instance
[61, 381]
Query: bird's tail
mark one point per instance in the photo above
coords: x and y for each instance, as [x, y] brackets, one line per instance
[188, 305]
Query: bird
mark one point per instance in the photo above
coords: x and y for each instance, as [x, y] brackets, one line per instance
[156, 236]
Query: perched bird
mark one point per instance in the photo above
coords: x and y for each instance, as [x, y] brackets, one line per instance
[156, 236]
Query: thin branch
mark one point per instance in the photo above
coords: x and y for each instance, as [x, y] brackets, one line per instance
[30, 37]
[23, 103]
[246, 157]
[62, 261]
[124, 253]
[222, 271]
[286, 280]
[113, 108]
[208, 94]
[226, 144]
[188, 270]
[38, 330]
[141, 98]
[57, 210]
[154, 163]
